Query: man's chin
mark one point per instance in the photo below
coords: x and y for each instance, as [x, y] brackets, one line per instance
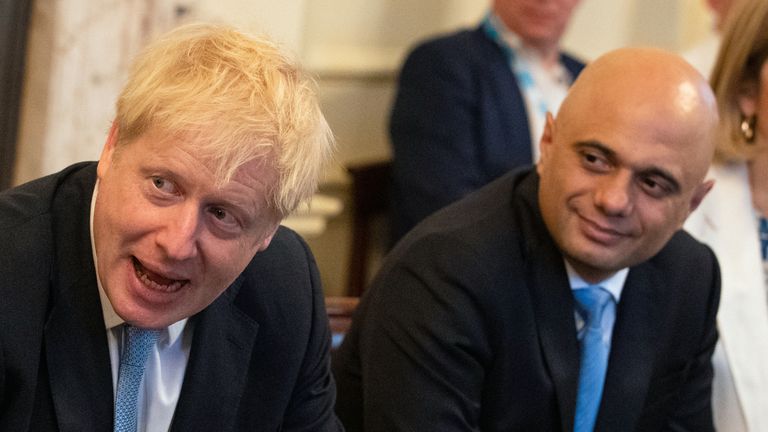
[594, 266]
[143, 318]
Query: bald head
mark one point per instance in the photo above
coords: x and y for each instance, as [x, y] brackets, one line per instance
[648, 87]
[623, 164]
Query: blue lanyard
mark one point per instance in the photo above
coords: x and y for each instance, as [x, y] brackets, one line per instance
[519, 68]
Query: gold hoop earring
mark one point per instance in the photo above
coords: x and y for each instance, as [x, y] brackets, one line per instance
[748, 128]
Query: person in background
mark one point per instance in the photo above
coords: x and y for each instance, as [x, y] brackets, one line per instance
[470, 106]
[561, 298]
[155, 290]
[732, 220]
[702, 55]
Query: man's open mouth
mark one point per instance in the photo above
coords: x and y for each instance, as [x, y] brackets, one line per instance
[156, 281]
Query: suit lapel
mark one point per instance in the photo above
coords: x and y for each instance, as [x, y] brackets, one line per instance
[76, 349]
[510, 100]
[216, 374]
[78, 361]
[553, 304]
[633, 353]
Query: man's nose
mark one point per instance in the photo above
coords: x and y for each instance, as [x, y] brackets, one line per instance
[180, 232]
[614, 195]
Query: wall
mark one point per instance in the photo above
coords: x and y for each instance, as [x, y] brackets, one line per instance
[78, 55]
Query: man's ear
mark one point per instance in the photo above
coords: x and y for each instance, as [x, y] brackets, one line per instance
[107, 153]
[545, 143]
[268, 239]
[698, 195]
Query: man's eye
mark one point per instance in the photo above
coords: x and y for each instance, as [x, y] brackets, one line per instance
[594, 162]
[224, 219]
[654, 187]
[218, 213]
[163, 185]
[591, 158]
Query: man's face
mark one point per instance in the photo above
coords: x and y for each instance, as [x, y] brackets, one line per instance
[616, 183]
[168, 241]
[540, 23]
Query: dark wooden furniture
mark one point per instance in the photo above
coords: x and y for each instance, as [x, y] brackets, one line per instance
[370, 198]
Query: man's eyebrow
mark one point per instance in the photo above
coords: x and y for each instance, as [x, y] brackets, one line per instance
[652, 171]
[597, 145]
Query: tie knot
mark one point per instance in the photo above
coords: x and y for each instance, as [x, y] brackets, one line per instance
[591, 302]
[138, 344]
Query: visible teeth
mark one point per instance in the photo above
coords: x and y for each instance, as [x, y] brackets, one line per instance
[154, 285]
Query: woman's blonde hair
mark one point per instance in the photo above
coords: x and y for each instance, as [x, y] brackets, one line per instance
[237, 98]
[743, 51]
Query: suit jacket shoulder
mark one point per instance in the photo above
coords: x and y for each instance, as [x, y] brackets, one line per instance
[449, 322]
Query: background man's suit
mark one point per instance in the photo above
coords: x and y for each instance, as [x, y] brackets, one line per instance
[259, 352]
[470, 326]
[459, 121]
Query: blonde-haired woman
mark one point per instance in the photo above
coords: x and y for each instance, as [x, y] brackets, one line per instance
[732, 219]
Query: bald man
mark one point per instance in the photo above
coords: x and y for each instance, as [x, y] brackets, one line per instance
[480, 320]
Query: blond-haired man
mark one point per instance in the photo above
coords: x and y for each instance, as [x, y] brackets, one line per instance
[169, 250]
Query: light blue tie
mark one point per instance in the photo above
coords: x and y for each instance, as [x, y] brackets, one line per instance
[591, 302]
[139, 343]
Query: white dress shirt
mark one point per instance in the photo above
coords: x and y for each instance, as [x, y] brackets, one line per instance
[164, 373]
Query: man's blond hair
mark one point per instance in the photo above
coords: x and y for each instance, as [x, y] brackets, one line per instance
[237, 98]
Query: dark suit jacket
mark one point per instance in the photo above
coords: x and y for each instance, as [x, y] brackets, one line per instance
[470, 326]
[459, 121]
[259, 358]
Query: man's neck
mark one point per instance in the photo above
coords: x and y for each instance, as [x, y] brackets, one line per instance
[548, 54]
[589, 274]
[613, 283]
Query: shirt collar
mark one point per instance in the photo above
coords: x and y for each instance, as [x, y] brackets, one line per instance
[558, 73]
[613, 284]
[111, 318]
